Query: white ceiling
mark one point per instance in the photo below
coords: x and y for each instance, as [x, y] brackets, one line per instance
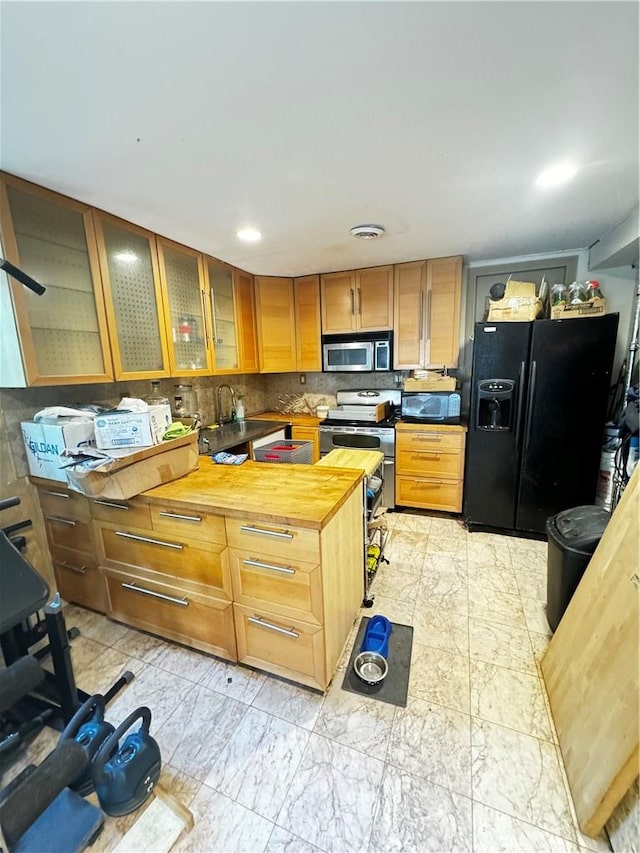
[304, 119]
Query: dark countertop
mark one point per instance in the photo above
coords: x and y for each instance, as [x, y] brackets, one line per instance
[235, 433]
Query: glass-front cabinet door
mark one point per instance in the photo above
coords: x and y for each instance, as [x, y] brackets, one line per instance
[181, 272]
[63, 333]
[133, 297]
[223, 313]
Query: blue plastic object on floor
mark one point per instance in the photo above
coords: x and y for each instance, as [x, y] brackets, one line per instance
[376, 638]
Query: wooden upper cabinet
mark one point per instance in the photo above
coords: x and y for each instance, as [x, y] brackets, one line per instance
[357, 300]
[223, 316]
[62, 335]
[276, 324]
[246, 318]
[186, 312]
[427, 313]
[307, 312]
[133, 298]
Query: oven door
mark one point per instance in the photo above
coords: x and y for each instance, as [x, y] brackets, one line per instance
[348, 356]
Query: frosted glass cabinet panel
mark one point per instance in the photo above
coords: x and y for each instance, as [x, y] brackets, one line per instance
[63, 333]
[223, 310]
[129, 267]
[187, 322]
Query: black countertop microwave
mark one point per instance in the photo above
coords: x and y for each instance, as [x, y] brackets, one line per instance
[431, 407]
[357, 352]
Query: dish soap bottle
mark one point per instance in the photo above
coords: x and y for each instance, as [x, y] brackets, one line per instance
[240, 408]
[155, 398]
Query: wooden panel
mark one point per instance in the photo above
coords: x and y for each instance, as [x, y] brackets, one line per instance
[443, 495]
[200, 621]
[424, 438]
[308, 433]
[79, 579]
[444, 287]
[181, 559]
[409, 315]
[286, 542]
[263, 645]
[591, 671]
[64, 531]
[289, 588]
[431, 463]
[246, 320]
[121, 512]
[276, 324]
[178, 522]
[307, 307]
[374, 299]
[62, 501]
[338, 292]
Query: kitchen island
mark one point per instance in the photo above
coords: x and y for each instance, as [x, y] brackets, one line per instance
[257, 563]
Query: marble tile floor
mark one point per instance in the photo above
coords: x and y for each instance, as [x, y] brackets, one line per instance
[471, 764]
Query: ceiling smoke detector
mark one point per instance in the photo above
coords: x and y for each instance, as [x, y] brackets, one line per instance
[367, 232]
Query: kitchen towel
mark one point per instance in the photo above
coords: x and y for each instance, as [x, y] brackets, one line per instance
[395, 687]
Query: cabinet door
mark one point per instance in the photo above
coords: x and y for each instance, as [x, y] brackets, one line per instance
[63, 333]
[374, 299]
[133, 297]
[409, 315]
[338, 290]
[182, 275]
[444, 286]
[276, 324]
[308, 433]
[307, 305]
[223, 314]
[246, 319]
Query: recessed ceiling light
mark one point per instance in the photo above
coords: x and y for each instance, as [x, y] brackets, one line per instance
[367, 232]
[126, 257]
[249, 235]
[555, 175]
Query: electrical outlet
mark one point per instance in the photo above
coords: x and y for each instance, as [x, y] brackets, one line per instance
[303, 379]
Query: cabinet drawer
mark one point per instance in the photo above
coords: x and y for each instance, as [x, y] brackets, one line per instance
[282, 541]
[285, 647]
[63, 531]
[431, 462]
[121, 512]
[64, 502]
[423, 439]
[79, 580]
[291, 589]
[195, 525]
[165, 609]
[180, 559]
[444, 495]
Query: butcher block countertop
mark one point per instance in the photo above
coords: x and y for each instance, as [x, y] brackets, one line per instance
[297, 420]
[301, 495]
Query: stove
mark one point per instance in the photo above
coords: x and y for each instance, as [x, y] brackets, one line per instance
[355, 428]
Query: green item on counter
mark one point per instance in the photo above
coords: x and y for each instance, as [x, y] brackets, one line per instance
[176, 430]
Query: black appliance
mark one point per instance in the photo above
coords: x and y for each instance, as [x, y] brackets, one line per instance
[538, 407]
[431, 407]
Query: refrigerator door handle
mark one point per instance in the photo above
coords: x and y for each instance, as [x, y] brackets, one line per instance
[531, 392]
[518, 426]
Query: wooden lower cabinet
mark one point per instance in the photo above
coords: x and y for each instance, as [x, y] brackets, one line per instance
[307, 433]
[79, 579]
[430, 466]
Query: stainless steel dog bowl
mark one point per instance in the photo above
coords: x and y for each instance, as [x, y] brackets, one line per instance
[370, 667]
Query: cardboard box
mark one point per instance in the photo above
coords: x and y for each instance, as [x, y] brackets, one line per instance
[519, 304]
[596, 307]
[132, 429]
[133, 471]
[45, 441]
[431, 383]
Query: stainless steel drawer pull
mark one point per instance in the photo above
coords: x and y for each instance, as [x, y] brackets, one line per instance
[432, 437]
[56, 494]
[176, 545]
[247, 528]
[182, 602]
[81, 570]
[286, 570]
[110, 503]
[258, 620]
[196, 518]
[60, 520]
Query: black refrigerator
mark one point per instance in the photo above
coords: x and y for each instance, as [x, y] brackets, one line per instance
[539, 395]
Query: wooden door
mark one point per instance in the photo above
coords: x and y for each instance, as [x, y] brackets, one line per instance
[444, 288]
[133, 298]
[276, 324]
[409, 315]
[63, 333]
[306, 291]
[246, 321]
[374, 299]
[338, 291]
[222, 304]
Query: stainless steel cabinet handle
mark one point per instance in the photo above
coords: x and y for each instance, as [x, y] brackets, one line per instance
[56, 494]
[247, 528]
[57, 518]
[176, 545]
[428, 453]
[196, 518]
[434, 436]
[286, 570]
[359, 301]
[213, 318]
[419, 483]
[81, 570]
[258, 620]
[421, 317]
[204, 318]
[110, 503]
[429, 314]
[182, 602]
[352, 300]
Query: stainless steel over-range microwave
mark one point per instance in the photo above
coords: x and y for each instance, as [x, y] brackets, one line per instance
[366, 352]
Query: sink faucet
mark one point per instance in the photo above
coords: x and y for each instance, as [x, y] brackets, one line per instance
[232, 412]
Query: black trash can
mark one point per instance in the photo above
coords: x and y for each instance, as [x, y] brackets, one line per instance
[573, 536]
